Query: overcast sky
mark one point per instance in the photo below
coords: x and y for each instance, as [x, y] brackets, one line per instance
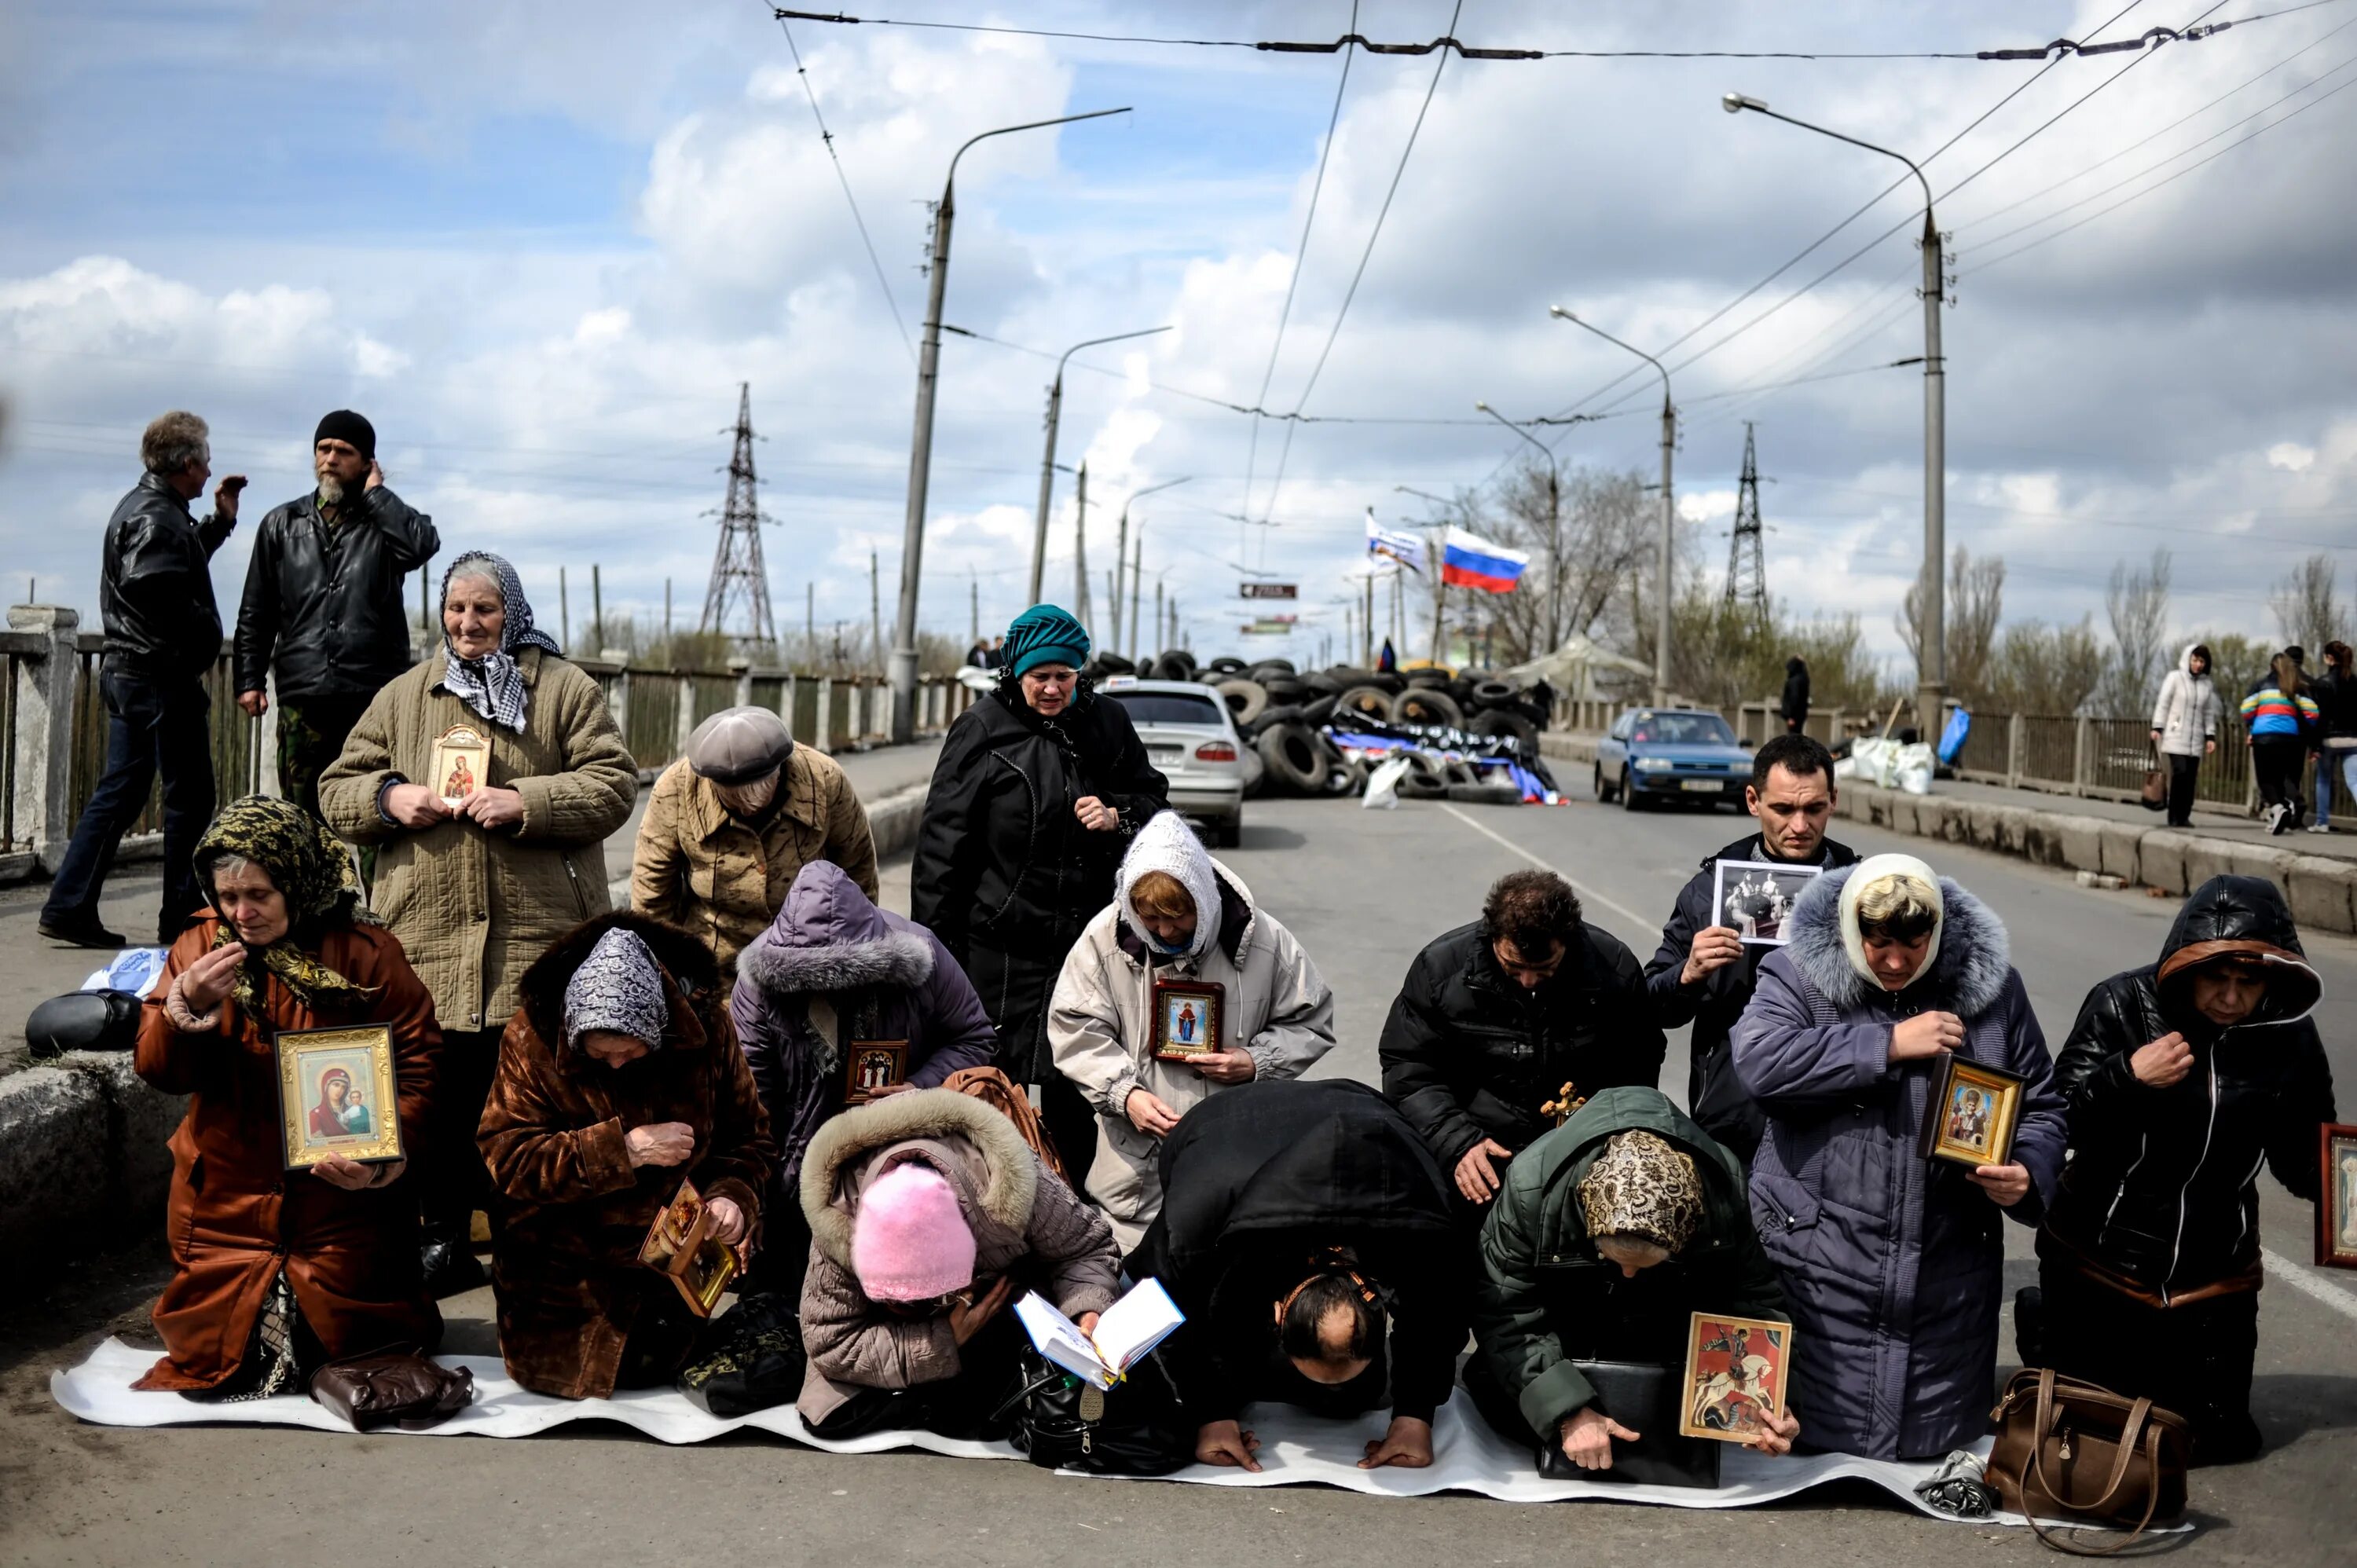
[539, 245]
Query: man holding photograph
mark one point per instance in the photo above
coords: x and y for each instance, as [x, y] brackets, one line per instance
[1704, 971]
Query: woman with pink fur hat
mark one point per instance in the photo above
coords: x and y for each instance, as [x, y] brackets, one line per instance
[929, 1215]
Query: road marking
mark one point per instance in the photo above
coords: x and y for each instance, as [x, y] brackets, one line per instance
[1590, 894]
[2307, 1284]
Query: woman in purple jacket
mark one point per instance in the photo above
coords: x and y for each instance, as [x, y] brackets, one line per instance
[832, 969]
[1893, 1263]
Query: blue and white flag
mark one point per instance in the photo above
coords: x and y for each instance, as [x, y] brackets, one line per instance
[1394, 544]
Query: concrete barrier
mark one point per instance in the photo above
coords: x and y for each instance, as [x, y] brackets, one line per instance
[892, 820]
[82, 1155]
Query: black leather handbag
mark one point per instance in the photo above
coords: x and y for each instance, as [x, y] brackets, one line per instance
[1644, 1399]
[84, 1021]
[1135, 1428]
[749, 1359]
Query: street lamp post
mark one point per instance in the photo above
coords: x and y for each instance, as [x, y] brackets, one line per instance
[1047, 462]
[1440, 582]
[1668, 513]
[903, 666]
[1120, 549]
[1932, 629]
[1554, 527]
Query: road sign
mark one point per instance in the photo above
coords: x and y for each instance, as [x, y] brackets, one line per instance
[1269, 626]
[1272, 590]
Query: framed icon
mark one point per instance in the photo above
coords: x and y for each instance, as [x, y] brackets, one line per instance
[461, 764]
[1735, 1377]
[1972, 1112]
[2336, 1197]
[680, 1244]
[1754, 898]
[336, 1096]
[872, 1065]
[1187, 1018]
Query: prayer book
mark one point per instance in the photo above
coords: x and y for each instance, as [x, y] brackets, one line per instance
[1127, 1332]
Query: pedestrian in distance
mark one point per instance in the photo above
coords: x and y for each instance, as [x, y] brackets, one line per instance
[2335, 692]
[2185, 728]
[1040, 788]
[1177, 915]
[978, 656]
[1703, 972]
[2183, 1078]
[1893, 1262]
[1793, 706]
[1497, 1016]
[276, 1272]
[162, 635]
[833, 969]
[2281, 718]
[619, 1080]
[323, 619]
[1611, 1233]
[478, 890]
[730, 825]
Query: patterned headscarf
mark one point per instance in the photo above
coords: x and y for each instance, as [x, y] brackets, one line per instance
[306, 863]
[618, 987]
[492, 685]
[1640, 1186]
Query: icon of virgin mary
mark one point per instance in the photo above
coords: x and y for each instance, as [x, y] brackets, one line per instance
[335, 1091]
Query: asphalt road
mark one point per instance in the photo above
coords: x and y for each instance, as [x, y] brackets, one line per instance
[1362, 889]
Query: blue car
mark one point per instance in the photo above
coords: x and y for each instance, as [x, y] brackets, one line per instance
[1670, 754]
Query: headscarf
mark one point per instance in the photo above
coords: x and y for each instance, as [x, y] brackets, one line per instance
[492, 685]
[1640, 1186]
[1045, 634]
[1167, 844]
[618, 988]
[1876, 868]
[312, 868]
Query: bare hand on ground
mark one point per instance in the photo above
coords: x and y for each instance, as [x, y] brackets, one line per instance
[1225, 1442]
[1406, 1443]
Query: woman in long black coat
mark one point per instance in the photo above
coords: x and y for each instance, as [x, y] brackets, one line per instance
[1040, 788]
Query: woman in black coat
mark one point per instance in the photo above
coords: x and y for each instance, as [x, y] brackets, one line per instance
[1040, 788]
[2183, 1078]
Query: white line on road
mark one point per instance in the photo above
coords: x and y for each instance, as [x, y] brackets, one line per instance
[1593, 896]
[2307, 1284]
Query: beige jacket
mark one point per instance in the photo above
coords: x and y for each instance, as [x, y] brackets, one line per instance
[473, 908]
[722, 880]
[1099, 1027]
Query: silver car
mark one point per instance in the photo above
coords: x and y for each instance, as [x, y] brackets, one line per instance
[1190, 738]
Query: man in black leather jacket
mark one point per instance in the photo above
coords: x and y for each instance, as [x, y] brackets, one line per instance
[2183, 1076]
[323, 607]
[1495, 1017]
[163, 633]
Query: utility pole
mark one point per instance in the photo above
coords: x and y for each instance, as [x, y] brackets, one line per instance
[564, 612]
[1136, 565]
[973, 586]
[1367, 622]
[1931, 634]
[596, 610]
[1158, 621]
[1080, 546]
[1667, 593]
[1554, 528]
[1047, 459]
[667, 648]
[1747, 575]
[1121, 554]
[874, 611]
[903, 665]
[737, 563]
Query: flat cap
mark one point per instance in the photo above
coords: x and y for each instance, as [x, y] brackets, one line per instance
[736, 745]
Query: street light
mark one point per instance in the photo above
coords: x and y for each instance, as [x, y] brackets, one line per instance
[1931, 635]
[1121, 548]
[903, 665]
[1669, 514]
[1555, 524]
[1047, 462]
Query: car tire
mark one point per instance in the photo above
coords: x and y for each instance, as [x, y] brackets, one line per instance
[1603, 790]
[1494, 793]
[1226, 664]
[1490, 694]
[1632, 798]
[1426, 705]
[1422, 780]
[1265, 668]
[1346, 676]
[1367, 701]
[1174, 666]
[1246, 700]
[1318, 712]
[1429, 676]
[1228, 833]
[1345, 778]
[1295, 763]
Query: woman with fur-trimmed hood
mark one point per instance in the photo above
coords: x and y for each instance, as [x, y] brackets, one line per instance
[1177, 915]
[929, 1215]
[831, 969]
[1893, 1263]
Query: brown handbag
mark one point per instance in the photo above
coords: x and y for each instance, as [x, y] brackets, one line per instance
[2068, 1449]
[1002, 1094]
[393, 1387]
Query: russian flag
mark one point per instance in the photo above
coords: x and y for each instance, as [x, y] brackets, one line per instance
[1468, 561]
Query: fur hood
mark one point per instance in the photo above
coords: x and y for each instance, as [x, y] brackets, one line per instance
[1970, 966]
[829, 937]
[995, 1175]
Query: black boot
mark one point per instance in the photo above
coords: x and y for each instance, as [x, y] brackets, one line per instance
[2030, 1326]
[447, 1256]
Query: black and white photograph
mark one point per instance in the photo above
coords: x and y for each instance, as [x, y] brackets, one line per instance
[1753, 899]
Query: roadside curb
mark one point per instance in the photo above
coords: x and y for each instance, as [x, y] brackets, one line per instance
[2322, 891]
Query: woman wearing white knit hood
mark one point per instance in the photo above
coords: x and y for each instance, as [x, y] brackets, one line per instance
[1177, 915]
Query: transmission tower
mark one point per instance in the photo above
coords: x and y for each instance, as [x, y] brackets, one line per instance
[736, 568]
[1747, 577]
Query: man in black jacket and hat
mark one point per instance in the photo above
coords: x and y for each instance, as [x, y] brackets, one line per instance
[163, 633]
[323, 608]
[1702, 973]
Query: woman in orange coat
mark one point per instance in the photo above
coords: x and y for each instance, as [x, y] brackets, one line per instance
[276, 1271]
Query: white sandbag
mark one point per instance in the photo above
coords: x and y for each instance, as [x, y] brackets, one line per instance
[1910, 768]
[1382, 784]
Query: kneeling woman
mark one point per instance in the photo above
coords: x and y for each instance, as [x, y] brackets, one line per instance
[929, 1215]
[275, 1271]
[619, 1079]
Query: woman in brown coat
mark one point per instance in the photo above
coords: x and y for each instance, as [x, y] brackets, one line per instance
[478, 890]
[619, 1077]
[276, 1270]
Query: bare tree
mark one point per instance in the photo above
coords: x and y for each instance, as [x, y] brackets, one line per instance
[2136, 604]
[1976, 604]
[2045, 670]
[2307, 606]
[1601, 537]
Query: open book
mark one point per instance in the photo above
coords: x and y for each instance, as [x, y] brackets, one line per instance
[1128, 1331]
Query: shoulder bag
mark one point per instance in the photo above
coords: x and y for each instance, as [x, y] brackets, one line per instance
[1137, 1427]
[393, 1387]
[2072, 1450]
